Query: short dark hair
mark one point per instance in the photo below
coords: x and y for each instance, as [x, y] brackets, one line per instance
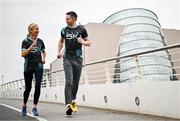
[72, 14]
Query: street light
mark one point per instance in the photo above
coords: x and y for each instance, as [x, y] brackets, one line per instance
[2, 79]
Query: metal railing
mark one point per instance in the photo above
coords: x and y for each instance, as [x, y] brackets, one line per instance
[109, 71]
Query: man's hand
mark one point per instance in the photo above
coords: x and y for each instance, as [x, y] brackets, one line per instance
[43, 61]
[59, 55]
[80, 40]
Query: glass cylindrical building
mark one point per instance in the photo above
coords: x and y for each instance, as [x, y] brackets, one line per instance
[142, 32]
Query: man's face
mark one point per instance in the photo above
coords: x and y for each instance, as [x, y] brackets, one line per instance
[70, 20]
[35, 31]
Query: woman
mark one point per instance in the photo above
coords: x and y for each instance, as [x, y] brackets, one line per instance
[33, 50]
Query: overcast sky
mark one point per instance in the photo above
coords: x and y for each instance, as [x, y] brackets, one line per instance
[15, 15]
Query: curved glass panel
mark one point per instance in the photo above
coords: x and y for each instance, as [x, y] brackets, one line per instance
[141, 33]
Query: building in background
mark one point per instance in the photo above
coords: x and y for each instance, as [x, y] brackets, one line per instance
[142, 32]
[127, 32]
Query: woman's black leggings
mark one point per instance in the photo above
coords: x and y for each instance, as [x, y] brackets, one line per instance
[28, 76]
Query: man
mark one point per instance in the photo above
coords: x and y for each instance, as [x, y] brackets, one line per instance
[74, 37]
[33, 50]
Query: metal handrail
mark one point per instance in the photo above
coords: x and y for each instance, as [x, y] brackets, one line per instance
[136, 54]
[126, 56]
[114, 58]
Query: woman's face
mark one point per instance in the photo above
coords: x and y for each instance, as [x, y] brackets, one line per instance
[34, 31]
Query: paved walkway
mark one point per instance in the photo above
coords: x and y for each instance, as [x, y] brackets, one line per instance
[56, 112]
[7, 113]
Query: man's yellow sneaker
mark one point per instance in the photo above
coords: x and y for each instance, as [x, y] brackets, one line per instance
[74, 106]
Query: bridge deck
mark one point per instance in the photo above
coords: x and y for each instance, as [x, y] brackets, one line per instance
[56, 112]
[11, 114]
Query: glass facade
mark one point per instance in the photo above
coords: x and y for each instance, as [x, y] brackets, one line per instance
[142, 32]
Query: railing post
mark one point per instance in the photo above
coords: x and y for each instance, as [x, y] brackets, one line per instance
[9, 85]
[13, 85]
[2, 87]
[50, 79]
[17, 84]
[5, 87]
[56, 80]
[86, 81]
[47, 80]
[138, 68]
[107, 73]
[22, 86]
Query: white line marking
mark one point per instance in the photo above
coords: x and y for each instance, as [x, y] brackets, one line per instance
[36, 117]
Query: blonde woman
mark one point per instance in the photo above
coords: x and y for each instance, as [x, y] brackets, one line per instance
[33, 51]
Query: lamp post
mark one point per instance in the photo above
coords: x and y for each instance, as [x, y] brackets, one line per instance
[2, 79]
[2, 82]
